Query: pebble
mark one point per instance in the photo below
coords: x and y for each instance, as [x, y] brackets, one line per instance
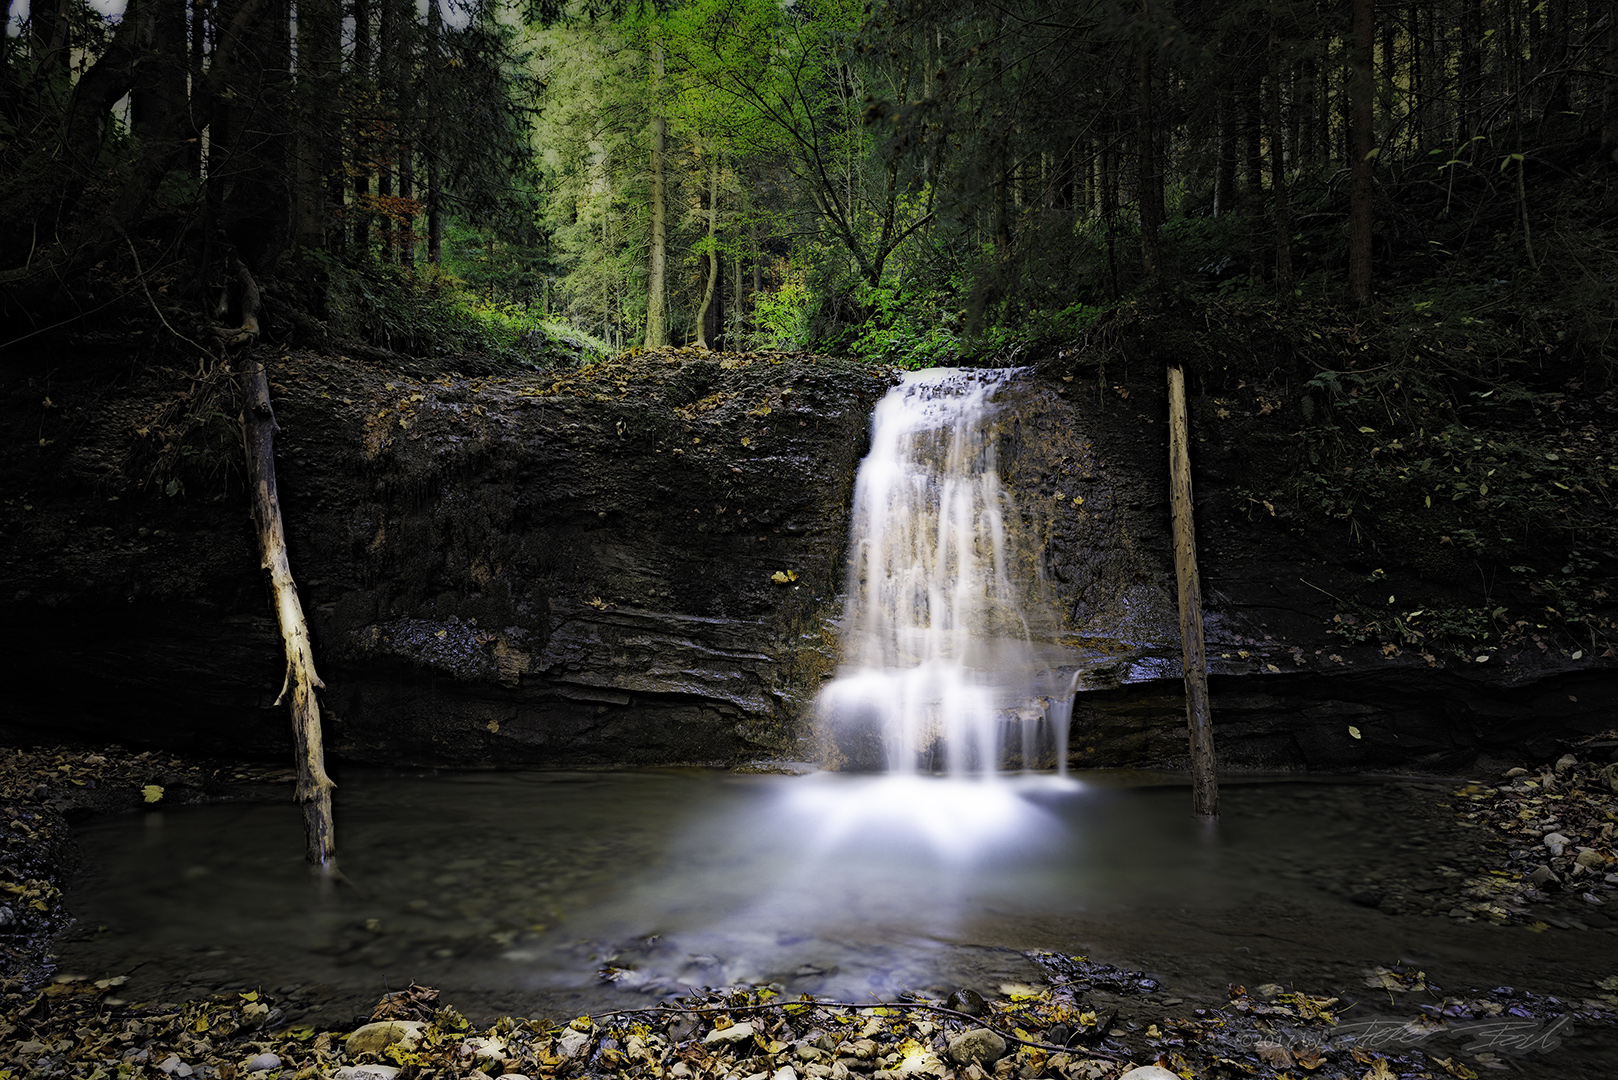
[1566, 762]
[979, 1046]
[735, 1033]
[1542, 876]
[377, 1037]
[365, 1072]
[1591, 858]
[1149, 1072]
[262, 1063]
[1512, 774]
[969, 1002]
[572, 1043]
[1555, 841]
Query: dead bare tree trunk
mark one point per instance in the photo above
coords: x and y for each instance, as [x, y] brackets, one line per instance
[258, 436]
[1193, 653]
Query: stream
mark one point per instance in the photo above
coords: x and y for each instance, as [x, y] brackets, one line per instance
[561, 893]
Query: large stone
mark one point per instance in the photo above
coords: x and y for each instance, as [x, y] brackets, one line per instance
[376, 1037]
[735, 1033]
[978, 1046]
[1149, 1072]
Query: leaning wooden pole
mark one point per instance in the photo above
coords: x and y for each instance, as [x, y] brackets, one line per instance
[1194, 657]
[314, 786]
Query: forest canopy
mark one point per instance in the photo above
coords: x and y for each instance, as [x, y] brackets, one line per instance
[904, 180]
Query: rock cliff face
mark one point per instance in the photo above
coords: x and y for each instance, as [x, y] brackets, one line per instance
[640, 563]
[629, 565]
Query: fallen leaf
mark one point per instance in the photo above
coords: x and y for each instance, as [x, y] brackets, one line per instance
[152, 792]
[1353, 732]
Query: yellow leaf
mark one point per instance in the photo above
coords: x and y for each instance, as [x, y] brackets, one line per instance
[785, 577]
[1353, 731]
[152, 792]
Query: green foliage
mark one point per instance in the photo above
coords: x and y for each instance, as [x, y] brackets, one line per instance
[907, 332]
[782, 315]
[431, 313]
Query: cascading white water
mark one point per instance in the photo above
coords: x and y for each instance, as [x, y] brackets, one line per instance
[940, 666]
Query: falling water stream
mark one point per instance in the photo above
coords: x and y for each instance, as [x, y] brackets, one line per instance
[942, 669]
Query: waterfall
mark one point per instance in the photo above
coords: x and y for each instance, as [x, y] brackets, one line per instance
[946, 651]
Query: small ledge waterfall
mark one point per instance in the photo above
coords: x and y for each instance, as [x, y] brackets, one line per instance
[947, 654]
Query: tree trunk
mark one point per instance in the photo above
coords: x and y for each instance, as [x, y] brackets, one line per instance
[432, 149]
[258, 434]
[159, 95]
[1609, 99]
[367, 87]
[713, 254]
[1193, 654]
[319, 29]
[1278, 172]
[49, 38]
[657, 320]
[1360, 163]
[1470, 76]
[1149, 181]
[1225, 152]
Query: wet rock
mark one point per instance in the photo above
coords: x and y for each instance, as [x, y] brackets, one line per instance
[1149, 1072]
[1565, 763]
[1555, 841]
[261, 1063]
[377, 1037]
[735, 1033]
[1544, 877]
[861, 1049]
[966, 1001]
[1512, 774]
[979, 1046]
[485, 1052]
[366, 1072]
[1591, 859]
[572, 1043]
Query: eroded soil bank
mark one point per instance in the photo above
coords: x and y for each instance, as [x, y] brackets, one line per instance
[640, 562]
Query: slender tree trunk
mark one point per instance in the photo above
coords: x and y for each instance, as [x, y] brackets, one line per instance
[713, 254]
[432, 149]
[318, 30]
[657, 319]
[1225, 151]
[198, 31]
[314, 786]
[1360, 163]
[1470, 75]
[1609, 98]
[1278, 172]
[1193, 653]
[367, 93]
[1150, 182]
[49, 36]
[405, 124]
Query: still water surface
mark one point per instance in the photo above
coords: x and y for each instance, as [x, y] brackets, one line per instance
[513, 891]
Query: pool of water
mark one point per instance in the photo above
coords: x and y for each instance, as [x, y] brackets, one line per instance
[518, 892]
